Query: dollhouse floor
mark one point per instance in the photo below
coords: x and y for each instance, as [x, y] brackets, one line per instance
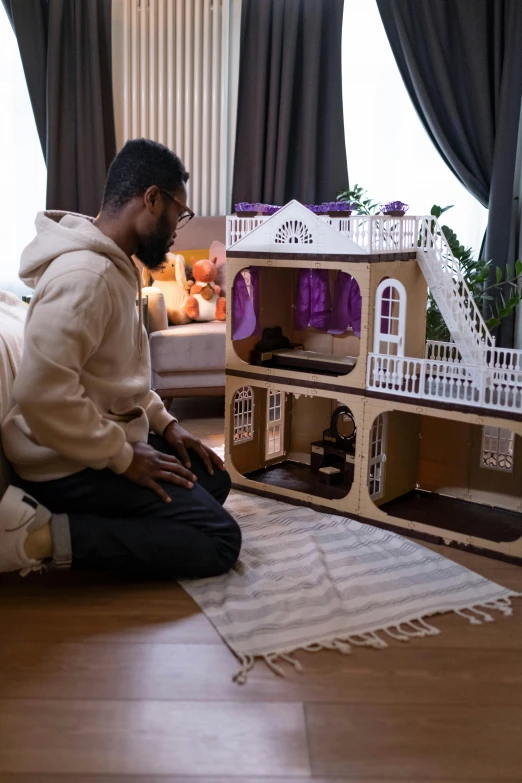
[296, 476]
[460, 516]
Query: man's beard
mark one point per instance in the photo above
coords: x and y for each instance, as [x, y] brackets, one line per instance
[152, 250]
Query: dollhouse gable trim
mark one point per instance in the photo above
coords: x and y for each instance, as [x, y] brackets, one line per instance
[295, 229]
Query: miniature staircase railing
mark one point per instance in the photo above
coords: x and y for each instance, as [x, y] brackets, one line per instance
[452, 295]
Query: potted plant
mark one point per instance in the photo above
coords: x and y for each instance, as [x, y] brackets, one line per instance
[318, 209]
[339, 208]
[268, 209]
[394, 208]
[245, 209]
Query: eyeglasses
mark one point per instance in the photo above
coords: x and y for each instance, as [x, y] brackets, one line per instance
[186, 214]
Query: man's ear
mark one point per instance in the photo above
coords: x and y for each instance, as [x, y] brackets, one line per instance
[151, 197]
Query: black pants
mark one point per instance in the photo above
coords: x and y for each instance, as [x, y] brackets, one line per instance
[116, 525]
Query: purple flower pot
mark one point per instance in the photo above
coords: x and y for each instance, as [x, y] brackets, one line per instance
[245, 209]
[394, 208]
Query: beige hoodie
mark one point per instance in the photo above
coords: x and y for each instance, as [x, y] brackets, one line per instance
[83, 388]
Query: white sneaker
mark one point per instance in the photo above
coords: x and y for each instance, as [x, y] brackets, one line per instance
[20, 514]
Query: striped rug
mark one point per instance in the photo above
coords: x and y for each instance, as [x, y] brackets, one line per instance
[307, 580]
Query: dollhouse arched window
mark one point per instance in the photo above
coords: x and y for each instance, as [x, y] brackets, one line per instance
[293, 232]
[243, 415]
[390, 318]
[498, 449]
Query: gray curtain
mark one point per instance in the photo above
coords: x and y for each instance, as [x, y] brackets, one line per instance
[65, 46]
[461, 62]
[290, 128]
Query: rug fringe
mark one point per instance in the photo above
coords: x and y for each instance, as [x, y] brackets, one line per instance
[402, 632]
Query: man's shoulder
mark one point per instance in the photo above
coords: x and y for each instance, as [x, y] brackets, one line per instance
[79, 263]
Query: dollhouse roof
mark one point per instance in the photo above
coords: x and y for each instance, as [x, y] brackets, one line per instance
[296, 229]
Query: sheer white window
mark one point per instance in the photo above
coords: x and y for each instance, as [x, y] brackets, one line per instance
[377, 457]
[24, 175]
[390, 318]
[498, 449]
[389, 152]
[243, 415]
[275, 445]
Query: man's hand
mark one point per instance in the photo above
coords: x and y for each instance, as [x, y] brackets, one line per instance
[149, 466]
[181, 441]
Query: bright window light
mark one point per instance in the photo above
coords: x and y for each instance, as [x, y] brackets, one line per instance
[24, 175]
[389, 152]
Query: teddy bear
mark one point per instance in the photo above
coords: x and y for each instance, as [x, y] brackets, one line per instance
[205, 302]
[173, 280]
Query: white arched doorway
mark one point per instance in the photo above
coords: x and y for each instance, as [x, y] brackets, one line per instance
[390, 318]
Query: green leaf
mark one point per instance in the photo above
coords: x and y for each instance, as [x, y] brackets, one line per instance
[499, 274]
[492, 322]
[518, 268]
[509, 272]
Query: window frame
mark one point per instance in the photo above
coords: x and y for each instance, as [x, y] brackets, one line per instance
[243, 415]
[275, 423]
[378, 460]
[387, 337]
[495, 434]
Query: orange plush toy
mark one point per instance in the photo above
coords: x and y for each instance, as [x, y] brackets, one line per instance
[205, 302]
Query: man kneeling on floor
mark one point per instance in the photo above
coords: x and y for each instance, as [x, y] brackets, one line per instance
[95, 489]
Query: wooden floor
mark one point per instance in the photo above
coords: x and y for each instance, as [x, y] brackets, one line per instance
[107, 680]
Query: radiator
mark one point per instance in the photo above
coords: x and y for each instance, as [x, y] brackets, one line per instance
[178, 83]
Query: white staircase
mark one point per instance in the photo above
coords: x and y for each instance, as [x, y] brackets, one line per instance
[452, 295]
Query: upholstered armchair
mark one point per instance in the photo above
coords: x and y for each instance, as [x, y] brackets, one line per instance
[188, 360]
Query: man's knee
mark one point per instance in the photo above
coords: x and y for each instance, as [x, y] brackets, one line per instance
[230, 540]
[223, 485]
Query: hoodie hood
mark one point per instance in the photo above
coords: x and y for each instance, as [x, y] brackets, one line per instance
[58, 233]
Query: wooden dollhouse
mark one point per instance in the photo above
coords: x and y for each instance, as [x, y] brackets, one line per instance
[334, 399]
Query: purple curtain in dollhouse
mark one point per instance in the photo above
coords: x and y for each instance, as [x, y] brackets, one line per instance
[313, 306]
[346, 310]
[245, 305]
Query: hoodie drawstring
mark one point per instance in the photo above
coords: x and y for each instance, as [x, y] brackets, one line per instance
[140, 311]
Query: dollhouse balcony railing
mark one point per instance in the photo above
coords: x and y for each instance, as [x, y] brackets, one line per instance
[497, 358]
[444, 352]
[373, 233]
[452, 382]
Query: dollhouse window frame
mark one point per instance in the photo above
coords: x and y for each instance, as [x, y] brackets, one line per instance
[243, 415]
[377, 456]
[275, 424]
[497, 449]
[294, 231]
[380, 336]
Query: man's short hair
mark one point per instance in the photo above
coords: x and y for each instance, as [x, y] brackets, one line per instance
[140, 164]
